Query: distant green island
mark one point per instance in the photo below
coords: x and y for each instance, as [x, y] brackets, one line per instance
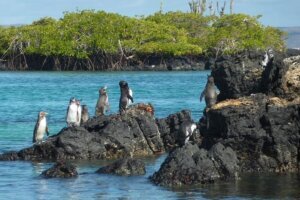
[97, 40]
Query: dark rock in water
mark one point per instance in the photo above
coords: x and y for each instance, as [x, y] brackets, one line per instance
[125, 167]
[60, 170]
[263, 131]
[170, 129]
[136, 133]
[237, 76]
[190, 165]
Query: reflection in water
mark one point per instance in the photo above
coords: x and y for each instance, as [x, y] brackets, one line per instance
[260, 186]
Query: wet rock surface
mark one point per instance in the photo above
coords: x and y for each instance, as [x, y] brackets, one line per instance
[189, 165]
[60, 170]
[136, 133]
[124, 167]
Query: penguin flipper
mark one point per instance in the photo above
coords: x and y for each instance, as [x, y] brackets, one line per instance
[130, 97]
[202, 95]
[35, 131]
[47, 130]
[67, 114]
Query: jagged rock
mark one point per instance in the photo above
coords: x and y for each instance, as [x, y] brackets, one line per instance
[170, 129]
[60, 170]
[281, 78]
[190, 165]
[237, 76]
[263, 131]
[136, 133]
[124, 167]
[242, 75]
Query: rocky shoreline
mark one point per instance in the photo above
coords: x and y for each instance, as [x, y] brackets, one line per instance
[137, 133]
[115, 63]
[245, 131]
[254, 127]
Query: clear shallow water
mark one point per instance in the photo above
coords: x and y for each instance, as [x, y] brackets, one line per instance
[24, 94]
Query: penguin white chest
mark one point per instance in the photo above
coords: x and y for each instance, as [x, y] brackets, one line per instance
[41, 129]
[72, 113]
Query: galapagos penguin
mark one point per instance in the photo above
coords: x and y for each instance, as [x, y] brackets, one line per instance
[84, 114]
[125, 96]
[102, 105]
[209, 93]
[186, 130]
[268, 57]
[73, 116]
[40, 128]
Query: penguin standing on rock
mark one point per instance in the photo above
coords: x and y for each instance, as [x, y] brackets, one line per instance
[84, 114]
[40, 128]
[125, 96]
[186, 131]
[209, 93]
[102, 105]
[73, 117]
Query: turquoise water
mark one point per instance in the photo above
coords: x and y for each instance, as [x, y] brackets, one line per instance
[24, 94]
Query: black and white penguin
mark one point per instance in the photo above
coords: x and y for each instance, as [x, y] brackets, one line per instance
[186, 131]
[73, 116]
[102, 105]
[209, 93]
[40, 128]
[125, 96]
[84, 114]
[268, 57]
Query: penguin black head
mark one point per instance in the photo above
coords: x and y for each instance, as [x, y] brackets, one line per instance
[102, 90]
[77, 101]
[123, 84]
[210, 79]
[72, 99]
[84, 107]
[42, 114]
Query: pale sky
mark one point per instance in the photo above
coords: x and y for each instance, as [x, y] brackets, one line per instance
[279, 13]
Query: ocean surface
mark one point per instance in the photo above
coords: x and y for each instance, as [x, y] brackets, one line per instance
[24, 94]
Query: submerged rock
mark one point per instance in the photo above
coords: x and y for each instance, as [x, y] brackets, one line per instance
[136, 133]
[190, 165]
[124, 167]
[60, 170]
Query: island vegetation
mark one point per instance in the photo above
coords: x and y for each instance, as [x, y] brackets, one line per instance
[97, 40]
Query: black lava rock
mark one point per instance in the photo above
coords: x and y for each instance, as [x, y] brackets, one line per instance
[61, 170]
[189, 165]
[136, 133]
[124, 167]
